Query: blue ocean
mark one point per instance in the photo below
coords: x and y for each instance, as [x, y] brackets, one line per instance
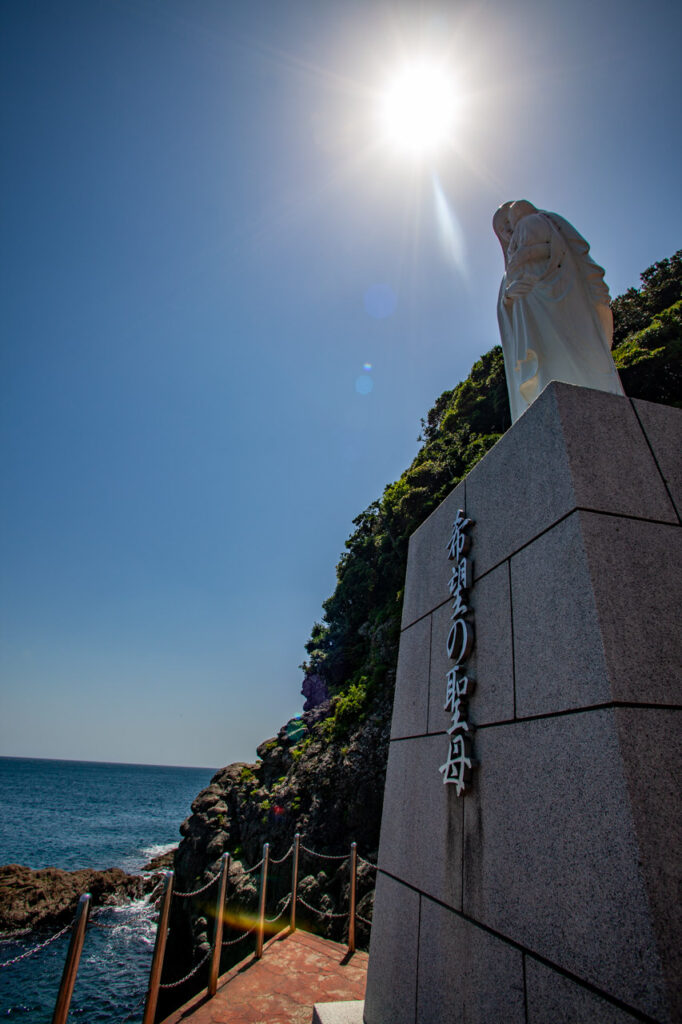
[76, 814]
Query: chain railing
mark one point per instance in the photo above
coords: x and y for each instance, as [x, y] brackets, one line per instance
[181, 981]
[166, 892]
[273, 920]
[197, 892]
[240, 938]
[324, 856]
[321, 913]
[34, 949]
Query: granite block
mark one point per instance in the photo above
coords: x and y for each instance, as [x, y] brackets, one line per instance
[580, 595]
[411, 700]
[551, 853]
[344, 1012]
[558, 655]
[466, 975]
[612, 467]
[521, 486]
[651, 741]
[552, 996]
[490, 664]
[574, 447]
[663, 428]
[636, 573]
[421, 825]
[392, 970]
[428, 566]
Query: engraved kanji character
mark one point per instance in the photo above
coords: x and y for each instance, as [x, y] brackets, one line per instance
[459, 542]
[457, 768]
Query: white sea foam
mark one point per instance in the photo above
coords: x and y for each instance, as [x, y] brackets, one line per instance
[132, 919]
[135, 863]
[157, 849]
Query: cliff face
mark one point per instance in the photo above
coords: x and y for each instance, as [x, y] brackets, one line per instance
[323, 774]
[328, 788]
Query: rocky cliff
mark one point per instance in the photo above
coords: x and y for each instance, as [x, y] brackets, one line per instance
[323, 774]
[326, 787]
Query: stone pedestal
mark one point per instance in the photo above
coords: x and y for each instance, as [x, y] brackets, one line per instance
[550, 892]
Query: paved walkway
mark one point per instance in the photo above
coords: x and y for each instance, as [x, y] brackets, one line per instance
[295, 972]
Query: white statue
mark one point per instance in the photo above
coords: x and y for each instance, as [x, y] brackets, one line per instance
[553, 309]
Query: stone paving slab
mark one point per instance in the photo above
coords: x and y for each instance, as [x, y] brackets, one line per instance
[295, 972]
[339, 1013]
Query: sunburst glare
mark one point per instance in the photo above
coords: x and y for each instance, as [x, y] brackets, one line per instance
[417, 108]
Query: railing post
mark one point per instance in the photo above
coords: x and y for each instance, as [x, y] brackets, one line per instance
[353, 885]
[261, 908]
[159, 950]
[294, 882]
[218, 932]
[61, 1010]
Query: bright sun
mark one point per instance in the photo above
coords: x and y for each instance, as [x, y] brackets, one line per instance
[417, 109]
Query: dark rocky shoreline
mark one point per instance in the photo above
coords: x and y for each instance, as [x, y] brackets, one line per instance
[47, 898]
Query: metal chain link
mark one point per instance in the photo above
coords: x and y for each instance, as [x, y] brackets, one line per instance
[101, 924]
[363, 919]
[271, 920]
[176, 984]
[186, 895]
[41, 945]
[282, 859]
[325, 856]
[367, 862]
[247, 871]
[322, 913]
[233, 942]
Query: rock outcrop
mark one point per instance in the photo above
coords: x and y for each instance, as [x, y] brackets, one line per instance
[47, 898]
[315, 691]
[328, 788]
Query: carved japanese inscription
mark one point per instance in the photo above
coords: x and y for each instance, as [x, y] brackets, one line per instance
[460, 643]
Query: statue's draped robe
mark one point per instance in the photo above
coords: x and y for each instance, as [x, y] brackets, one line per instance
[562, 328]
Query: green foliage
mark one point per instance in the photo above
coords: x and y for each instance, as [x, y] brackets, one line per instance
[298, 751]
[246, 777]
[355, 647]
[661, 288]
[650, 361]
[349, 708]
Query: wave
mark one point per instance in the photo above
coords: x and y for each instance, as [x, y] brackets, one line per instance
[157, 849]
[135, 863]
[132, 920]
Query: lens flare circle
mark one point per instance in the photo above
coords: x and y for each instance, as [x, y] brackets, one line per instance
[417, 108]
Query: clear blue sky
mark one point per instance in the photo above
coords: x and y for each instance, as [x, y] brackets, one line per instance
[198, 228]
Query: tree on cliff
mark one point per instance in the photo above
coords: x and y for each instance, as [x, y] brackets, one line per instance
[355, 647]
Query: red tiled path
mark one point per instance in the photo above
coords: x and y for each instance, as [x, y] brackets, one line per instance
[295, 972]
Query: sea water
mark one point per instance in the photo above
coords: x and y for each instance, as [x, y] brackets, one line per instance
[78, 814]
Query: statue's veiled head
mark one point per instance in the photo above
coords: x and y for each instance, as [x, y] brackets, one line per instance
[502, 226]
[519, 209]
[507, 216]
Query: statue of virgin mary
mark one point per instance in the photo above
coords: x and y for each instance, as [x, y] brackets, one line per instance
[553, 307]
